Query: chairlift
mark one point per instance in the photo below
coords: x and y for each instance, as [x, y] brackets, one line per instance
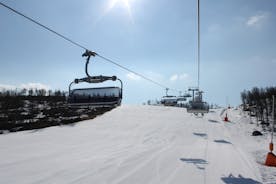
[196, 105]
[169, 100]
[181, 98]
[187, 95]
[95, 97]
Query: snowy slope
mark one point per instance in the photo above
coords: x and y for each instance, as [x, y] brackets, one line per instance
[136, 144]
[240, 129]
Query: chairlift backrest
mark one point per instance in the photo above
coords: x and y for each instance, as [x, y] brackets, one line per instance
[102, 92]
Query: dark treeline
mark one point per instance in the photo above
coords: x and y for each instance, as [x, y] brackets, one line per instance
[258, 101]
[37, 108]
[31, 92]
[12, 99]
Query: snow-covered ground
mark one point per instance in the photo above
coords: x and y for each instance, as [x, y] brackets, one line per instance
[139, 144]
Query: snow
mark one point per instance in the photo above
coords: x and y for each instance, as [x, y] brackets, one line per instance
[139, 144]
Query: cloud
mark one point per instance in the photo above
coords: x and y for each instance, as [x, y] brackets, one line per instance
[257, 20]
[7, 87]
[35, 86]
[183, 76]
[26, 86]
[133, 76]
[176, 77]
[154, 76]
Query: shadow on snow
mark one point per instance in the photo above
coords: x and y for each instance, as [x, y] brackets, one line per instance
[213, 121]
[222, 141]
[200, 134]
[199, 163]
[238, 180]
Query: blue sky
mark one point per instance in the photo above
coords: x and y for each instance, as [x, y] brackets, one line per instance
[156, 38]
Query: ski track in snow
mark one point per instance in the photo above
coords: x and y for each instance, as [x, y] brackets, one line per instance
[139, 144]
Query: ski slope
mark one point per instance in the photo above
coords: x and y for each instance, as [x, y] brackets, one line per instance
[138, 145]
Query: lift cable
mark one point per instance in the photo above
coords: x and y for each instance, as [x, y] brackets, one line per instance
[198, 43]
[83, 47]
[43, 26]
[125, 68]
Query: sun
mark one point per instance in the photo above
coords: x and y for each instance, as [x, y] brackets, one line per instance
[124, 3]
[112, 3]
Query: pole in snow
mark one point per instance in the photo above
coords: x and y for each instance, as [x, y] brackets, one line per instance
[271, 158]
[273, 118]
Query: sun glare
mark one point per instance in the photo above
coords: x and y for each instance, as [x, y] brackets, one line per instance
[124, 3]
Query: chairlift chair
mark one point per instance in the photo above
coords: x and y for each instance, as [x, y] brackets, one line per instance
[94, 97]
[196, 105]
[181, 98]
[187, 95]
[169, 100]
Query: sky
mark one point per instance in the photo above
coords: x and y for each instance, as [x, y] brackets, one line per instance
[156, 38]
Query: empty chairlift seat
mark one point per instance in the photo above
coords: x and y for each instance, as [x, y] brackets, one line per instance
[109, 96]
[169, 100]
[196, 105]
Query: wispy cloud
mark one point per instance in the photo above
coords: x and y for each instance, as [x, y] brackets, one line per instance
[176, 77]
[7, 87]
[183, 76]
[154, 76]
[26, 86]
[257, 20]
[35, 86]
[132, 76]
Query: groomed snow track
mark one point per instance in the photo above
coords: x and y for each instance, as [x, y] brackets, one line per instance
[128, 145]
